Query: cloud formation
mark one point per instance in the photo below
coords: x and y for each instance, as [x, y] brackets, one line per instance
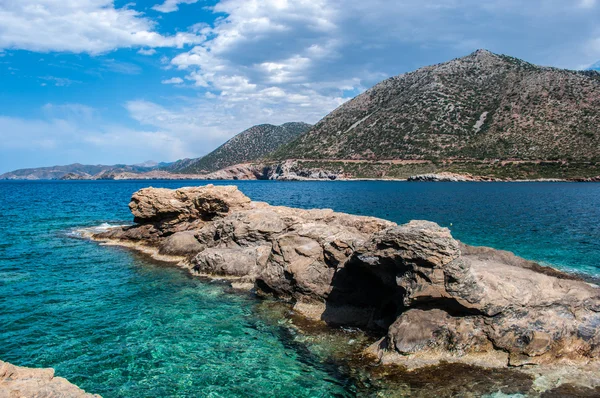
[59, 81]
[172, 5]
[70, 133]
[147, 51]
[173, 80]
[82, 26]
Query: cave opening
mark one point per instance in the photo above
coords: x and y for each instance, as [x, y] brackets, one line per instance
[367, 290]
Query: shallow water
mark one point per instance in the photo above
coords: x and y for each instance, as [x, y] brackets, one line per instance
[119, 325]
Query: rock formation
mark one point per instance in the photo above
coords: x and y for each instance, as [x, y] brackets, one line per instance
[443, 177]
[20, 382]
[430, 297]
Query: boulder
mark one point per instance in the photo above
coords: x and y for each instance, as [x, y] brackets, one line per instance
[185, 204]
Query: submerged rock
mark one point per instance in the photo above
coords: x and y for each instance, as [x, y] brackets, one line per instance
[431, 298]
[16, 381]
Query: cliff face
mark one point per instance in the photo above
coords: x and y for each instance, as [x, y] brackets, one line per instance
[431, 298]
[482, 106]
[16, 381]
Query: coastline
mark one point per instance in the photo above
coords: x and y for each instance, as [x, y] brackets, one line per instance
[561, 379]
[202, 178]
[364, 170]
[551, 372]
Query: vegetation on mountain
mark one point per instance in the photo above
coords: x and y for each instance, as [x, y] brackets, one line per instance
[247, 146]
[483, 106]
[78, 171]
[493, 170]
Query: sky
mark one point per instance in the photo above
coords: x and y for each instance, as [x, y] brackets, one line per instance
[113, 82]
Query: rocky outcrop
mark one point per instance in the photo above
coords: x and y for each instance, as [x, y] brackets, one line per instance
[285, 171]
[446, 177]
[430, 297]
[20, 382]
[290, 170]
[75, 176]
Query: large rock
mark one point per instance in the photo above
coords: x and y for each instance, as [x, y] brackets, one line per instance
[430, 297]
[20, 382]
[185, 204]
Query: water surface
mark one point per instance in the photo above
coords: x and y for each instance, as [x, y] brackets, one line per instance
[121, 326]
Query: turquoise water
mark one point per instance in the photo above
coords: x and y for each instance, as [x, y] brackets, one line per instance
[121, 326]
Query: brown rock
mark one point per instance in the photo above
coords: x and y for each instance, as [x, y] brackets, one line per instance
[185, 204]
[180, 244]
[431, 297]
[20, 382]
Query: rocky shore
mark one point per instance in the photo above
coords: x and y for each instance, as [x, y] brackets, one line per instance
[292, 170]
[349, 169]
[431, 298]
[20, 382]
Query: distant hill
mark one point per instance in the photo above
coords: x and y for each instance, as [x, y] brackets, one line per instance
[247, 146]
[596, 66]
[483, 106]
[77, 170]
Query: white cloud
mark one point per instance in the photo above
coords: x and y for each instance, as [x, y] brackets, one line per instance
[71, 133]
[172, 5]
[324, 47]
[206, 122]
[59, 81]
[90, 26]
[147, 51]
[125, 68]
[173, 80]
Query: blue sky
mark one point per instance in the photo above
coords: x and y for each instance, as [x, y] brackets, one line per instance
[97, 81]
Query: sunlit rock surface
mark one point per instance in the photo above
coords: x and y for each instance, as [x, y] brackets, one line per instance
[430, 297]
[20, 382]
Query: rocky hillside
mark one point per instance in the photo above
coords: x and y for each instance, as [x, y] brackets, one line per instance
[78, 171]
[482, 106]
[247, 146]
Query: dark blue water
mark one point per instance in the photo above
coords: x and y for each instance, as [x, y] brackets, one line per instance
[118, 325]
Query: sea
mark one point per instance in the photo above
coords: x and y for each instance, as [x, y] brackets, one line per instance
[118, 324]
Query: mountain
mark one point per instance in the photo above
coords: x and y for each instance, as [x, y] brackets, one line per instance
[481, 107]
[180, 164]
[247, 146]
[77, 170]
[151, 164]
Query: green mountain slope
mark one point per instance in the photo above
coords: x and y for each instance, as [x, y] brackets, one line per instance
[482, 106]
[247, 146]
